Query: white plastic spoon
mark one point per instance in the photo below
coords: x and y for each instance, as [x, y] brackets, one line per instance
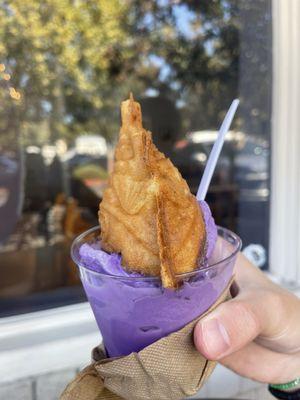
[216, 150]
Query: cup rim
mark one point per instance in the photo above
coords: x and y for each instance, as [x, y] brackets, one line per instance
[237, 247]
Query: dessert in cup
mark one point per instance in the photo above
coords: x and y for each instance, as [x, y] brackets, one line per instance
[157, 261]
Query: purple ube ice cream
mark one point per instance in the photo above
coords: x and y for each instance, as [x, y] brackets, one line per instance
[133, 311]
[210, 227]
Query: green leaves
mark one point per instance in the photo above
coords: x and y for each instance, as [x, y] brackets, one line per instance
[57, 50]
[73, 61]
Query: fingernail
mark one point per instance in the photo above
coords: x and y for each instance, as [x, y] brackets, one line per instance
[215, 338]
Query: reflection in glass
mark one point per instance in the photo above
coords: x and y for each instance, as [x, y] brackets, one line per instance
[64, 72]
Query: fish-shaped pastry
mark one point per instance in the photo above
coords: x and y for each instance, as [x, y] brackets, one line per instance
[148, 213]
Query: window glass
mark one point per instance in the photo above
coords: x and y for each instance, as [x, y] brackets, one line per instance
[65, 66]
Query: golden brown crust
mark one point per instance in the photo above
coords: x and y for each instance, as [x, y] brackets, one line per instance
[148, 213]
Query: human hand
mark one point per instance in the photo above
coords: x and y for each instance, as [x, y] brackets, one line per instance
[257, 333]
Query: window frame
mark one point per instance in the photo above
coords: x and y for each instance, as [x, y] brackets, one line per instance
[285, 161]
[46, 341]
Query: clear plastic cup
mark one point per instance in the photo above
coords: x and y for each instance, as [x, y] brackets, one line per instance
[133, 312]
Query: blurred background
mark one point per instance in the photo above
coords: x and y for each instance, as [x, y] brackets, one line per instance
[65, 66]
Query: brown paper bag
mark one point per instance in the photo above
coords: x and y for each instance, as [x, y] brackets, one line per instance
[88, 385]
[169, 369]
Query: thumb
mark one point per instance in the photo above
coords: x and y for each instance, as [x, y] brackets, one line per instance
[234, 324]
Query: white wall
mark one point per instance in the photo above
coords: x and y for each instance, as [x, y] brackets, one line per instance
[285, 169]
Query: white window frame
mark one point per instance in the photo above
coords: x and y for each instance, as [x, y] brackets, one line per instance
[285, 163]
[46, 341]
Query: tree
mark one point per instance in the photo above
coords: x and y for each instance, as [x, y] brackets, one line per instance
[196, 44]
[73, 61]
[61, 56]
[205, 53]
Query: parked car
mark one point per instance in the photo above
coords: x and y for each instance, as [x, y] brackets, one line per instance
[240, 185]
[243, 161]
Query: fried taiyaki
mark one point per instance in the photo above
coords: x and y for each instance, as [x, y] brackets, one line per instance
[148, 214]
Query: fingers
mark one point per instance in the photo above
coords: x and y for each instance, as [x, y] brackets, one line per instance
[247, 275]
[264, 365]
[237, 322]
[260, 308]
[225, 330]
[277, 309]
